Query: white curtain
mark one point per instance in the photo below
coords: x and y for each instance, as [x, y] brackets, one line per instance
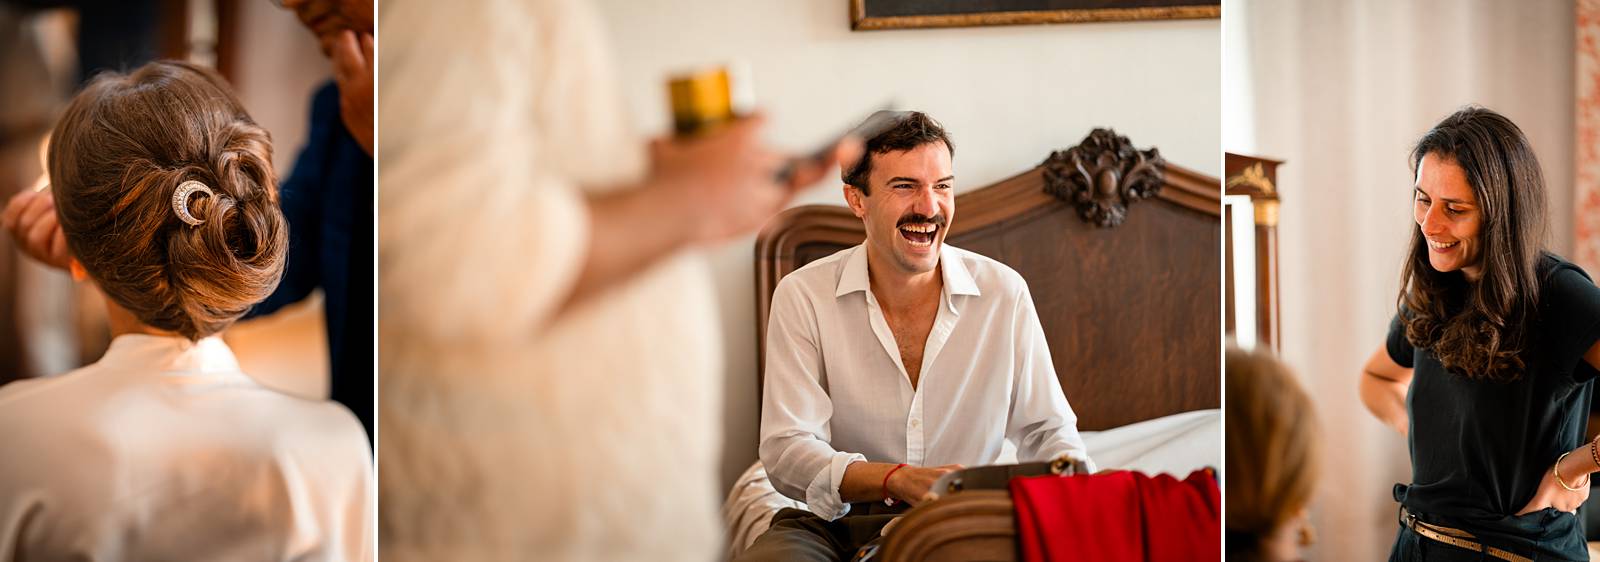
[1340, 90]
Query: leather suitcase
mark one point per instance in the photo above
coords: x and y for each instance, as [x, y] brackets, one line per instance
[973, 525]
[972, 518]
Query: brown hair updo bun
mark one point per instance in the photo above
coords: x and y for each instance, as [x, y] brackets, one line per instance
[119, 152]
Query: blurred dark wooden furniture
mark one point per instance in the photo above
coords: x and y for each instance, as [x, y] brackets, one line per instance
[28, 103]
[218, 41]
[1257, 179]
[1120, 251]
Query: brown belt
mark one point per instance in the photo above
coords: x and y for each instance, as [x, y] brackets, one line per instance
[1455, 537]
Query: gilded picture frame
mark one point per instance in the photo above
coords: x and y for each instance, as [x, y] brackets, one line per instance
[869, 15]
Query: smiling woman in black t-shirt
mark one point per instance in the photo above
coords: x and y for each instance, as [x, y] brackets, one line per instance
[1497, 342]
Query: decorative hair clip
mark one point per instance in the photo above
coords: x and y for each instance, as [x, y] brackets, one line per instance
[180, 200]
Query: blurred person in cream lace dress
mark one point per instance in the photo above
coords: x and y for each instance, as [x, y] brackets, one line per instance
[549, 363]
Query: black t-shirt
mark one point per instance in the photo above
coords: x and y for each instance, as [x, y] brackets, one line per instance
[1479, 449]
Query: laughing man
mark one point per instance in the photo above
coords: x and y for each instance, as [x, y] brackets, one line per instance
[893, 362]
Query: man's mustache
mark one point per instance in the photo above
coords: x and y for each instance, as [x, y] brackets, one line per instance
[917, 218]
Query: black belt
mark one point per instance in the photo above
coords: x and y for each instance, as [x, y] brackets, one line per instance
[1455, 537]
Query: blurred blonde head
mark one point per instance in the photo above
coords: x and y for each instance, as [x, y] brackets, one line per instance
[1272, 449]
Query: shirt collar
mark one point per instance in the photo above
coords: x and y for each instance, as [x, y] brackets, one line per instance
[854, 276]
[957, 279]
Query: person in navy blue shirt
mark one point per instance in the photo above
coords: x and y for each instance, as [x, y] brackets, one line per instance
[328, 199]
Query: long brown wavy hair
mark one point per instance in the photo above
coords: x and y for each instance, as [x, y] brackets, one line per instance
[120, 150]
[1480, 329]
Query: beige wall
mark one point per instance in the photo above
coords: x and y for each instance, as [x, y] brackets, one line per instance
[1341, 90]
[1008, 95]
[279, 66]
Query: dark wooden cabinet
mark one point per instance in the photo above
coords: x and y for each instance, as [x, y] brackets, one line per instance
[1252, 188]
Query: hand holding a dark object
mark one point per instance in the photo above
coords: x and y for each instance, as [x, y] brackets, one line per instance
[723, 183]
[874, 125]
[700, 190]
[912, 484]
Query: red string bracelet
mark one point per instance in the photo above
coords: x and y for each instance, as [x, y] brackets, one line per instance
[887, 499]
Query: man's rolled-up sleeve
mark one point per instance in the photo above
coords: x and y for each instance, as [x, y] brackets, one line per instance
[796, 409]
[1041, 423]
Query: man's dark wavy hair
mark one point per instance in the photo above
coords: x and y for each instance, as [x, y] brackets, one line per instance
[1480, 329]
[913, 130]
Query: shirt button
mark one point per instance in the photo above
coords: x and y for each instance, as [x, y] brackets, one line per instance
[915, 423]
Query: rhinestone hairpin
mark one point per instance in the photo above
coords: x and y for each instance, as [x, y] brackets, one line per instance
[180, 200]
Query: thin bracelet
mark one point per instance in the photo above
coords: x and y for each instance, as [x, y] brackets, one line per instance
[889, 500]
[1594, 452]
[1563, 483]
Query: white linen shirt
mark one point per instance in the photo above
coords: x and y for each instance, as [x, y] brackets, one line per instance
[836, 392]
[164, 450]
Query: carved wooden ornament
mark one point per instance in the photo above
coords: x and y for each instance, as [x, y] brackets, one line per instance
[1103, 175]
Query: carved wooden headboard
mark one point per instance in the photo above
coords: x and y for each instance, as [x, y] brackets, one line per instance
[1120, 251]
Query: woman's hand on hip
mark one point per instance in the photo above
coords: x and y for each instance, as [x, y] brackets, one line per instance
[1552, 494]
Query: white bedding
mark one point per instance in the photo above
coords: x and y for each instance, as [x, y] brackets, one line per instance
[1177, 444]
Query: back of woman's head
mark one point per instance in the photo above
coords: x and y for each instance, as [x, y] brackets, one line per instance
[1271, 451]
[118, 155]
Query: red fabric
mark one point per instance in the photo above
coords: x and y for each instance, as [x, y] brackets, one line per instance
[1119, 517]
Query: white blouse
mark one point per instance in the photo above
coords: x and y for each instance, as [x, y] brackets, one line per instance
[837, 393]
[164, 450]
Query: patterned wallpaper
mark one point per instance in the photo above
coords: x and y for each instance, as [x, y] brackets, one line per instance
[1586, 189]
